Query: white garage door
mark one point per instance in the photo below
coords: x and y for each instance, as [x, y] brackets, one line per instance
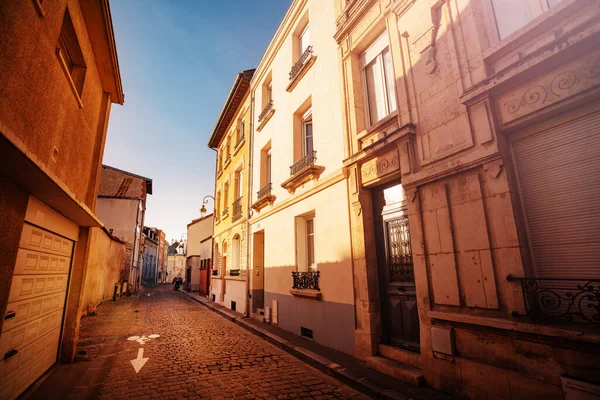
[31, 330]
[559, 180]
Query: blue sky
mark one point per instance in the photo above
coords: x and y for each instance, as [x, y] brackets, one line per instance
[178, 61]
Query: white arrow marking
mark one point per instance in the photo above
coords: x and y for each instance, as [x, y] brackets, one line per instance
[139, 362]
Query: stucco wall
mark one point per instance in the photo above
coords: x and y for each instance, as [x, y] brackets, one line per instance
[120, 216]
[36, 102]
[105, 261]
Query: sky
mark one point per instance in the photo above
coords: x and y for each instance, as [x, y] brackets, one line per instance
[178, 61]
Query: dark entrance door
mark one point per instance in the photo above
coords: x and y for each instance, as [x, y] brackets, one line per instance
[400, 319]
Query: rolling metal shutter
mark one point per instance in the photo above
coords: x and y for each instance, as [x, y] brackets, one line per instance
[31, 330]
[559, 180]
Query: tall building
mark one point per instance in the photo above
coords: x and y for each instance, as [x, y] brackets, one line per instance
[59, 76]
[150, 256]
[230, 139]
[121, 206]
[299, 230]
[473, 154]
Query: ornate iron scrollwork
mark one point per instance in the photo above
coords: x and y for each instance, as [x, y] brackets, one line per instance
[562, 299]
[305, 280]
[309, 159]
[400, 260]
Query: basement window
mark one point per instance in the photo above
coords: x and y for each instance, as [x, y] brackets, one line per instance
[71, 57]
[305, 332]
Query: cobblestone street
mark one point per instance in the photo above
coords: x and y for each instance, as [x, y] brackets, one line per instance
[198, 354]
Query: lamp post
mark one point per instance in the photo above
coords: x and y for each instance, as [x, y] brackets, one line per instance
[204, 202]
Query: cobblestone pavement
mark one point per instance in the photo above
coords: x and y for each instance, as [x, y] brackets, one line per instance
[198, 354]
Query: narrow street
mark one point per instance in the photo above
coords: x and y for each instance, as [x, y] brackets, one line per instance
[198, 354]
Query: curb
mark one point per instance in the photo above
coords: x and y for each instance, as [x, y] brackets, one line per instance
[344, 375]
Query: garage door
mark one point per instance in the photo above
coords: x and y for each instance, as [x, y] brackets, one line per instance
[31, 330]
[559, 179]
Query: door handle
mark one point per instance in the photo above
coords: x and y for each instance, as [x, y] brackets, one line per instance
[10, 315]
[10, 354]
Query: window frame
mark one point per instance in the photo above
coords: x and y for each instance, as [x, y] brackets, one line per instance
[536, 9]
[310, 236]
[375, 54]
[307, 121]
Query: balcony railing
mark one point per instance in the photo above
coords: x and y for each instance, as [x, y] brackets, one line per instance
[309, 159]
[237, 209]
[240, 139]
[227, 160]
[266, 110]
[560, 299]
[306, 280]
[215, 272]
[225, 212]
[265, 191]
[298, 66]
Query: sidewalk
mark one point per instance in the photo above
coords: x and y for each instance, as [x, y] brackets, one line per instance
[343, 367]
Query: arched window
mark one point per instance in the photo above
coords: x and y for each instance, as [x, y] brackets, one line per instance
[236, 252]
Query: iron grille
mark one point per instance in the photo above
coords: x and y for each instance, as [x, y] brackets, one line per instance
[306, 280]
[560, 299]
[266, 110]
[309, 159]
[225, 212]
[237, 209]
[298, 66]
[400, 260]
[215, 272]
[239, 141]
[266, 190]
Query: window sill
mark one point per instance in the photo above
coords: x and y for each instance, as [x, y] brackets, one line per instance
[235, 278]
[65, 70]
[306, 174]
[575, 333]
[263, 202]
[308, 293]
[305, 67]
[227, 162]
[266, 119]
[219, 173]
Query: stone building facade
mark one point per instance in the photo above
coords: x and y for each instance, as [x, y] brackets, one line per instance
[473, 153]
[150, 256]
[229, 138]
[199, 254]
[59, 76]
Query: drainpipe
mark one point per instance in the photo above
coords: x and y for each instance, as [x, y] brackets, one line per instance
[248, 203]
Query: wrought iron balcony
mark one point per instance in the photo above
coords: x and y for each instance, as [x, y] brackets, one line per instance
[234, 272]
[309, 159]
[215, 272]
[265, 191]
[560, 299]
[240, 139]
[237, 209]
[225, 212]
[306, 280]
[266, 110]
[300, 63]
[227, 160]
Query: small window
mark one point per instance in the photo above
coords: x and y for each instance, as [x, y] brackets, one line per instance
[307, 134]
[236, 252]
[310, 245]
[238, 184]
[268, 167]
[378, 81]
[70, 54]
[305, 243]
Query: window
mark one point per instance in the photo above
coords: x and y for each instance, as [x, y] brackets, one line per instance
[236, 250]
[70, 54]
[268, 167]
[218, 203]
[378, 81]
[224, 247]
[228, 148]
[305, 243]
[304, 40]
[307, 133]
[242, 131]
[238, 184]
[225, 196]
[513, 14]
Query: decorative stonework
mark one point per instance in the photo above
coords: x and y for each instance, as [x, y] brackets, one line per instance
[548, 89]
[380, 166]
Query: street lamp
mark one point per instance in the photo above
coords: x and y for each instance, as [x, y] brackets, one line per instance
[204, 202]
